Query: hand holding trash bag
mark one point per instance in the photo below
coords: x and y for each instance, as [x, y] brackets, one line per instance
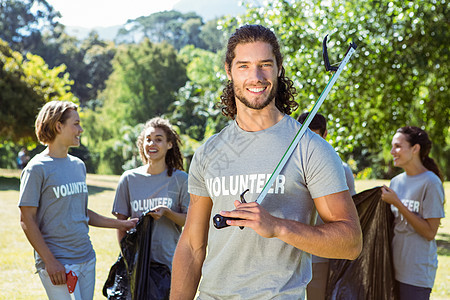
[158, 212]
[157, 190]
[417, 201]
[135, 275]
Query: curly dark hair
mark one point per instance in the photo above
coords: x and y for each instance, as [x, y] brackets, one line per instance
[174, 158]
[284, 98]
[415, 135]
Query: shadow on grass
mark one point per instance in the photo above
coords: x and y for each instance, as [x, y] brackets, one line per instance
[94, 189]
[9, 183]
[443, 244]
[13, 184]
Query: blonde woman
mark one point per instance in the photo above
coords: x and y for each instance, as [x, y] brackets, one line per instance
[53, 205]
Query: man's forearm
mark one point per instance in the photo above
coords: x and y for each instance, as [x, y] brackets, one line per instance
[340, 236]
[186, 272]
[340, 239]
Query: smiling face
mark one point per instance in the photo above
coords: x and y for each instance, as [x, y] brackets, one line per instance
[254, 73]
[155, 144]
[70, 131]
[402, 151]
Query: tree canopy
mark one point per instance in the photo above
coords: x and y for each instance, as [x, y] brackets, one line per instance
[144, 81]
[173, 27]
[397, 77]
[195, 111]
[25, 86]
[22, 22]
[143, 84]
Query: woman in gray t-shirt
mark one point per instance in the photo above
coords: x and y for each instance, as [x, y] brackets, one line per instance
[158, 188]
[416, 197]
[53, 206]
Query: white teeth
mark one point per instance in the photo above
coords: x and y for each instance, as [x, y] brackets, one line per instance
[256, 90]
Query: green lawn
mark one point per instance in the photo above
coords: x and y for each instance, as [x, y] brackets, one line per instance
[17, 278]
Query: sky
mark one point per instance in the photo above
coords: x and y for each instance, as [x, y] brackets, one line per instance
[104, 13]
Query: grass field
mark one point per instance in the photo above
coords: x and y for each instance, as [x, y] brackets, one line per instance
[17, 278]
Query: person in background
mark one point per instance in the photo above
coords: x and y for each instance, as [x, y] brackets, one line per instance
[319, 126]
[22, 158]
[320, 266]
[53, 205]
[158, 188]
[417, 201]
[270, 257]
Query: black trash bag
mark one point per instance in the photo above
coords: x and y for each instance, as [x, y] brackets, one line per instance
[116, 285]
[371, 275]
[134, 274]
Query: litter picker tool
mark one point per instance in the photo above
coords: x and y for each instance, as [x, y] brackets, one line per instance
[219, 220]
[311, 114]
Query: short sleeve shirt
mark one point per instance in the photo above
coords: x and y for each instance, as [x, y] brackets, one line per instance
[415, 258]
[139, 192]
[57, 187]
[240, 264]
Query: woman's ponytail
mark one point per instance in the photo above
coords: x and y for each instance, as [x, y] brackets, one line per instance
[431, 165]
[415, 135]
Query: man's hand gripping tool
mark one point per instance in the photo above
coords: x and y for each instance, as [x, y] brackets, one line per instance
[221, 221]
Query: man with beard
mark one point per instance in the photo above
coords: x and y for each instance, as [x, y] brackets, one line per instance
[270, 258]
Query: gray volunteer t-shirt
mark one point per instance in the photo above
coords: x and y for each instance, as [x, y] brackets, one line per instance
[415, 258]
[57, 187]
[240, 264]
[349, 178]
[139, 191]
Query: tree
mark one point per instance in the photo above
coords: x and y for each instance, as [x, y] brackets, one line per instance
[195, 111]
[25, 86]
[142, 85]
[58, 48]
[21, 22]
[87, 61]
[212, 38]
[143, 82]
[172, 27]
[98, 56]
[398, 75]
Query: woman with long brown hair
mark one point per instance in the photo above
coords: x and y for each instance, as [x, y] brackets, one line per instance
[417, 201]
[157, 188]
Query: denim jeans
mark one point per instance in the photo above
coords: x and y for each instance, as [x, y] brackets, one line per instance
[84, 289]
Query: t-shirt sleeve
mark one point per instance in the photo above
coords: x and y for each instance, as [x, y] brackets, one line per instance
[184, 195]
[433, 204]
[349, 179]
[121, 203]
[324, 171]
[31, 181]
[196, 181]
